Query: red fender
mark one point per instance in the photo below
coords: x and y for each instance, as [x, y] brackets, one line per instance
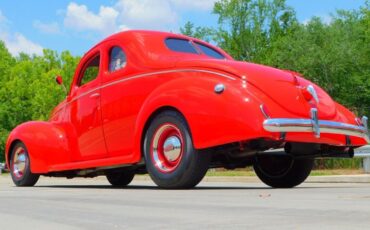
[38, 136]
[240, 116]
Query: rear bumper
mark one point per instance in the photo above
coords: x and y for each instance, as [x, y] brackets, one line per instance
[287, 125]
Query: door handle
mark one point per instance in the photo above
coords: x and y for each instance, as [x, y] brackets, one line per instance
[95, 95]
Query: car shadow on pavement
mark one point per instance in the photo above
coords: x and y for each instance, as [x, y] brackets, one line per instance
[146, 187]
[153, 187]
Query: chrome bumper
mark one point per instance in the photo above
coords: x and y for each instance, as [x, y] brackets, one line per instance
[285, 125]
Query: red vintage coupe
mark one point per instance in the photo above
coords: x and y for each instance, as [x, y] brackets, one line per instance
[174, 106]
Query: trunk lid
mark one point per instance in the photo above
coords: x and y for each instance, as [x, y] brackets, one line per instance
[279, 85]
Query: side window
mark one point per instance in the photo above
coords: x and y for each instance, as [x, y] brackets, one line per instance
[117, 59]
[180, 45]
[91, 71]
[210, 52]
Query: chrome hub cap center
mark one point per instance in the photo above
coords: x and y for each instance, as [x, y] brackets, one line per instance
[167, 148]
[19, 162]
[172, 148]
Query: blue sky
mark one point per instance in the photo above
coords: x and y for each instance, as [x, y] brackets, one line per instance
[76, 25]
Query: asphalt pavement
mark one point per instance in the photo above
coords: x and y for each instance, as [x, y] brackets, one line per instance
[57, 203]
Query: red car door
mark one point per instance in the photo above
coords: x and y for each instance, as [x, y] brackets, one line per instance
[85, 112]
[119, 103]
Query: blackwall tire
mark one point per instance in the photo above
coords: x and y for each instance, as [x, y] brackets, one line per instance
[282, 171]
[171, 159]
[20, 167]
[120, 178]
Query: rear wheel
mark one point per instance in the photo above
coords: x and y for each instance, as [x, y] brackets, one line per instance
[20, 166]
[120, 178]
[171, 159]
[282, 171]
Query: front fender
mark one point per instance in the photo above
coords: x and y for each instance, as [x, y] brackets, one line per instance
[46, 144]
[213, 119]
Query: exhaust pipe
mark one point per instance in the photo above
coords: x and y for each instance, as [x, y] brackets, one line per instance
[340, 152]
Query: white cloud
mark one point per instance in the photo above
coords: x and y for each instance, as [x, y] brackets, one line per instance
[2, 17]
[80, 18]
[127, 14]
[194, 5]
[326, 19]
[16, 42]
[123, 28]
[47, 28]
[146, 14]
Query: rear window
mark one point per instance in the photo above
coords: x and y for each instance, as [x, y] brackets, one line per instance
[180, 45]
[210, 52]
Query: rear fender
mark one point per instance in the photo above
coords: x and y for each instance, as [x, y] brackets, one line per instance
[46, 144]
[213, 119]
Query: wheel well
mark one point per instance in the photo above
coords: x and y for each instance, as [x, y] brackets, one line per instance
[11, 149]
[150, 119]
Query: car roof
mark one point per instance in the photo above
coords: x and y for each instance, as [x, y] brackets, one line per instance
[150, 41]
[136, 33]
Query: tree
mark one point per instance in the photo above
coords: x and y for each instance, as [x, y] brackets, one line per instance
[203, 33]
[26, 86]
[248, 27]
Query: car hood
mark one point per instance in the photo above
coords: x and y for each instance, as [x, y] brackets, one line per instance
[283, 87]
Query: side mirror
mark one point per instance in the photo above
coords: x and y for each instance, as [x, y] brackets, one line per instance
[59, 81]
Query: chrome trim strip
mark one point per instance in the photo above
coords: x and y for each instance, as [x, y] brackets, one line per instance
[263, 111]
[151, 74]
[146, 75]
[315, 122]
[306, 125]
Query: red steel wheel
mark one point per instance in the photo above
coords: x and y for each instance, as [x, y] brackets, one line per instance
[170, 157]
[167, 148]
[19, 161]
[20, 166]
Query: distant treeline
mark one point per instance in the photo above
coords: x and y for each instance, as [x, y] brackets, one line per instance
[334, 53]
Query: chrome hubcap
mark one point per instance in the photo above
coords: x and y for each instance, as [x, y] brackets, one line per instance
[172, 148]
[167, 148]
[19, 162]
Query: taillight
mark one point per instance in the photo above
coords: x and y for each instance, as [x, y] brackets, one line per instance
[310, 93]
[306, 94]
[359, 121]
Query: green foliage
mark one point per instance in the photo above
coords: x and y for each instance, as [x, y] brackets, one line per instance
[27, 87]
[248, 27]
[203, 33]
[337, 163]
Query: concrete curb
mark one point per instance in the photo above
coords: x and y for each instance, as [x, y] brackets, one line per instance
[361, 178]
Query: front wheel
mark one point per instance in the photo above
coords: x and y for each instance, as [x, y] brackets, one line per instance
[120, 178]
[171, 159]
[282, 171]
[20, 167]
